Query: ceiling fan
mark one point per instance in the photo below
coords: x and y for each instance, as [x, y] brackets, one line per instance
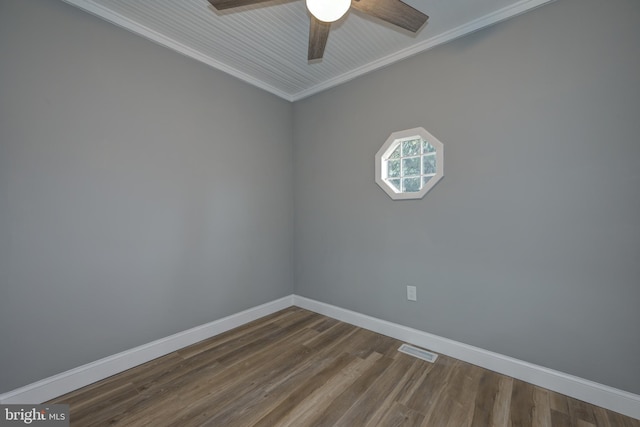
[324, 12]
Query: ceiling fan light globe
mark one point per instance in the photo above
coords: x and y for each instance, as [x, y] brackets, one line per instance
[328, 10]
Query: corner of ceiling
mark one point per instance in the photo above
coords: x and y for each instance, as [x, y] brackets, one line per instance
[122, 21]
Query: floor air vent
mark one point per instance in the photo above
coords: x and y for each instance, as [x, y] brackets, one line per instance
[418, 352]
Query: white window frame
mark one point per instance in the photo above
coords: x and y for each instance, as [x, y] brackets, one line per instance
[382, 156]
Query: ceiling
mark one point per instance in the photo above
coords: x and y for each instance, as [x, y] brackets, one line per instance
[266, 45]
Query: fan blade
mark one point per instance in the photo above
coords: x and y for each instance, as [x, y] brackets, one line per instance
[318, 35]
[393, 11]
[228, 4]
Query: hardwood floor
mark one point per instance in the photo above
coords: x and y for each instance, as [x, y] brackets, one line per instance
[298, 368]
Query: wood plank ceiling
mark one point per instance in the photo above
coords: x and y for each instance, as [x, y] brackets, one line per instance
[266, 45]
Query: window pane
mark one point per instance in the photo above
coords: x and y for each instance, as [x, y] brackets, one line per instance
[427, 148]
[393, 168]
[395, 154]
[411, 185]
[425, 179]
[429, 164]
[411, 167]
[395, 183]
[411, 148]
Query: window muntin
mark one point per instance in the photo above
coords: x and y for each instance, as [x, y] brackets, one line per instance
[409, 164]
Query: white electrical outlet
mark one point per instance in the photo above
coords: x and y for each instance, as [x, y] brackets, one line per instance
[411, 293]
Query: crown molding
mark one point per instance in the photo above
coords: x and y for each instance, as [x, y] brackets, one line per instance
[150, 34]
[455, 33]
[159, 38]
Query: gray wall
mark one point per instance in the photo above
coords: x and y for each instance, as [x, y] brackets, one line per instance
[141, 193]
[530, 245]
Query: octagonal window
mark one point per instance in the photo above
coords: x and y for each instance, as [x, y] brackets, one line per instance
[409, 164]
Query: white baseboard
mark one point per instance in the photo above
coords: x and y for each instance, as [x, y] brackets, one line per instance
[598, 394]
[57, 385]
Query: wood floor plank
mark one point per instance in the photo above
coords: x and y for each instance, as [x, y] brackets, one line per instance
[463, 395]
[229, 342]
[298, 368]
[502, 404]
[522, 404]
[239, 379]
[427, 397]
[581, 411]
[403, 383]
[105, 407]
[380, 395]
[325, 324]
[90, 394]
[194, 393]
[436, 377]
[455, 400]
[602, 420]
[411, 383]
[155, 405]
[323, 396]
[286, 404]
[560, 419]
[361, 343]
[243, 334]
[541, 415]
[401, 416]
[252, 405]
[259, 343]
[559, 402]
[328, 336]
[349, 397]
[620, 420]
[488, 387]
